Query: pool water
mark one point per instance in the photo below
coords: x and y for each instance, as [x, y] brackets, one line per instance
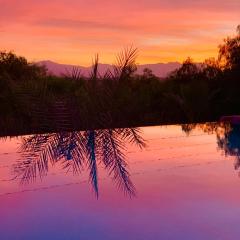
[162, 182]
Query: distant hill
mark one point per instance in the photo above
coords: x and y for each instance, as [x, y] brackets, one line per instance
[159, 69]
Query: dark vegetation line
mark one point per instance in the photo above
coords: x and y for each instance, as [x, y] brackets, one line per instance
[32, 101]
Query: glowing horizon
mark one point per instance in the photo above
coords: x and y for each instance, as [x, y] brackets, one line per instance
[72, 31]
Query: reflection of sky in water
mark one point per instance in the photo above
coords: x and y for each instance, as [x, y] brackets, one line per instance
[186, 188]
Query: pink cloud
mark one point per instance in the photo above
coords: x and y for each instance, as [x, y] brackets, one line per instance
[71, 31]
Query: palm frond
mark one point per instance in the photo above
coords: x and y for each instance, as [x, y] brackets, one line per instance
[94, 74]
[75, 74]
[74, 157]
[125, 63]
[37, 152]
[133, 135]
[93, 176]
[114, 160]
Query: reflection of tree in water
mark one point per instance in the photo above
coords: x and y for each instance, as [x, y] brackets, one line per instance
[229, 140]
[228, 136]
[78, 151]
[208, 127]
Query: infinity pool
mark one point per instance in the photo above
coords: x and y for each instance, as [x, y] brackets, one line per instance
[163, 182]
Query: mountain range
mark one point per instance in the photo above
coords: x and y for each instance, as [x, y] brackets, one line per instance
[159, 69]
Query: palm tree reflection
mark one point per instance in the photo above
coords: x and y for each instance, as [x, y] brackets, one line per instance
[78, 151]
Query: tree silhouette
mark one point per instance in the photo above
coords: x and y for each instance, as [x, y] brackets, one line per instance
[229, 51]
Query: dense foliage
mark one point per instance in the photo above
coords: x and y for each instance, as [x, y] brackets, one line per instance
[33, 101]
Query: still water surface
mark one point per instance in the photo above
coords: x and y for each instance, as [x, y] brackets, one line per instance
[163, 182]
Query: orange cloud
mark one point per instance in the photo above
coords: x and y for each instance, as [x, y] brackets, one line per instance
[73, 31]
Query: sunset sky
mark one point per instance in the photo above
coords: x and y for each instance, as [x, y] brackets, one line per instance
[72, 31]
